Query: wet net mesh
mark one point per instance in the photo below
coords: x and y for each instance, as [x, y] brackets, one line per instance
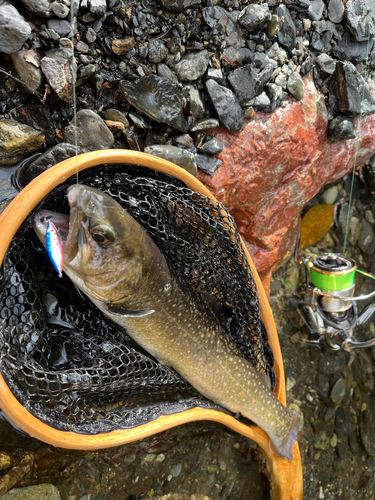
[73, 368]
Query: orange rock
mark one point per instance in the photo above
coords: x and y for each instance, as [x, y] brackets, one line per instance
[274, 166]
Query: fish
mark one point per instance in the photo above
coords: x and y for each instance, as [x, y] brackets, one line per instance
[54, 247]
[113, 260]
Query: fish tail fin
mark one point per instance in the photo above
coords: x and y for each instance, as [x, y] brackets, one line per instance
[285, 447]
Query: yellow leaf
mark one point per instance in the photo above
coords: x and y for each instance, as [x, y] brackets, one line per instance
[315, 224]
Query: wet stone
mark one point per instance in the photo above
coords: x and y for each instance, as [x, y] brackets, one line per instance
[194, 102]
[37, 492]
[178, 5]
[98, 7]
[212, 147]
[215, 74]
[338, 392]
[51, 157]
[208, 164]
[60, 10]
[14, 30]
[255, 16]
[184, 140]
[192, 66]
[366, 240]
[90, 35]
[121, 46]
[330, 363]
[59, 69]
[357, 19]
[231, 57]
[367, 424]
[59, 26]
[315, 9]
[180, 157]
[336, 11]
[37, 117]
[163, 70]
[287, 32]
[296, 86]
[245, 84]
[17, 141]
[326, 63]
[343, 422]
[349, 49]
[219, 19]
[341, 128]
[277, 53]
[226, 105]
[204, 124]
[330, 194]
[262, 103]
[158, 98]
[157, 51]
[30, 75]
[273, 26]
[92, 132]
[322, 441]
[41, 7]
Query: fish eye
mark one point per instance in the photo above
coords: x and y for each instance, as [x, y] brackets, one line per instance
[103, 235]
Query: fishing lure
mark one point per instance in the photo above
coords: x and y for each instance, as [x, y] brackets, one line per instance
[54, 247]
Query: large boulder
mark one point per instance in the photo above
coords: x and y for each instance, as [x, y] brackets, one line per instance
[274, 166]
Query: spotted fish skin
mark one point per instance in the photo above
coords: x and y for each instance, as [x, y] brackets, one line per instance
[129, 279]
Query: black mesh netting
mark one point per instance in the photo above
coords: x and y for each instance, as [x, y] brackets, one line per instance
[74, 369]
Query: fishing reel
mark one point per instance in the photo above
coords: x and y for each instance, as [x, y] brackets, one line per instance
[329, 307]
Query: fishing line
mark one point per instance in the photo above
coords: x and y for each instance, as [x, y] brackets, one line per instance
[359, 133]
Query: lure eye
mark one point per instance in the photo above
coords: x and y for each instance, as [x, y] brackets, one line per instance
[103, 235]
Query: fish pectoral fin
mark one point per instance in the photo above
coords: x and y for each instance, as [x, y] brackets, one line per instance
[121, 310]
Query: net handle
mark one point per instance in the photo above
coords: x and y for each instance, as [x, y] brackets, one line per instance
[10, 221]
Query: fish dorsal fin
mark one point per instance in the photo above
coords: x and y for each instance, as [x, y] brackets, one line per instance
[121, 310]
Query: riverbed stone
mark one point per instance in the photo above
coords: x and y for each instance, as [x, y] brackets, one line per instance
[180, 157]
[37, 492]
[192, 66]
[208, 164]
[178, 5]
[346, 91]
[326, 63]
[97, 7]
[218, 18]
[350, 49]
[92, 132]
[52, 156]
[41, 7]
[14, 30]
[193, 100]
[245, 83]
[255, 16]
[336, 11]
[157, 51]
[296, 86]
[60, 9]
[28, 73]
[358, 19]
[287, 32]
[367, 424]
[17, 141]
[121, 46]
[60, 26]
[366, 240]
[158, 98]
[226, 105]
[211, 147]
[338, 392]
[315, 9]
[341, 128]
[59, 68]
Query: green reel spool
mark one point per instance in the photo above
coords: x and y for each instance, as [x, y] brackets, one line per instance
[331, 272]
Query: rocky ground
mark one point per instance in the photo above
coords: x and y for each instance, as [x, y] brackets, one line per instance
[155, 77]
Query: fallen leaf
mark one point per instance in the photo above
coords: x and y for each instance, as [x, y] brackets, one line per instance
[32, 57]
[315, 224]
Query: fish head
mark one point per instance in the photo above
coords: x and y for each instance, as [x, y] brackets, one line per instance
[101, 243]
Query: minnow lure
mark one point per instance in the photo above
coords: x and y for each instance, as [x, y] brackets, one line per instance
[54, 247]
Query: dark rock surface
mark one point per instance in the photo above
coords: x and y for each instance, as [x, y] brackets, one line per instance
[341, 128]
[226, 105]
[158, 98]
[347, 91]
[91, 132]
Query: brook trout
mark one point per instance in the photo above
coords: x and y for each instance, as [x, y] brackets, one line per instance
[113, 260]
